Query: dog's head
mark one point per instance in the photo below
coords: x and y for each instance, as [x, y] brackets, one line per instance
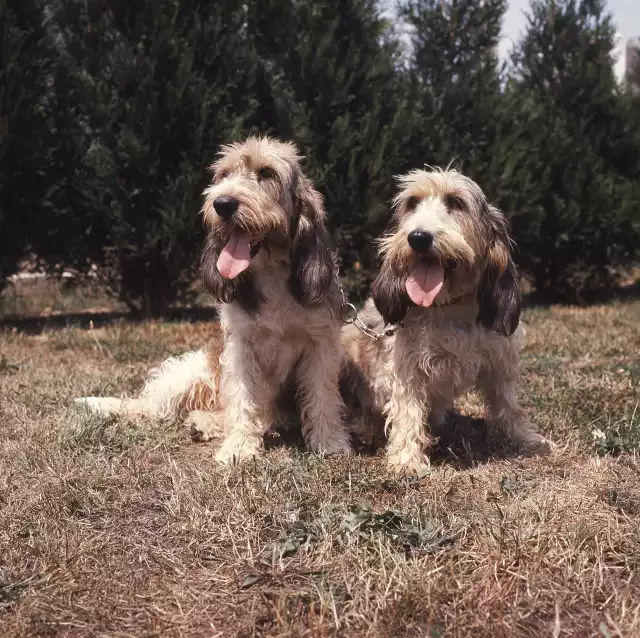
[445, 241]
[261, 208]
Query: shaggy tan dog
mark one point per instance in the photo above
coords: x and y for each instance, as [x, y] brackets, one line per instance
[448, 285]
[268, 263]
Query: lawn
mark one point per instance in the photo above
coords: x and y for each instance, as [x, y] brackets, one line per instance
[110, 527]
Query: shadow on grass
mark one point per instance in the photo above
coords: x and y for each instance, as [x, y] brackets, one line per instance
[466, 441]
[83, 320]
[463, 442]
[35, 324]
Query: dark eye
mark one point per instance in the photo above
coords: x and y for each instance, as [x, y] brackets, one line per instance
[265, 173]
[222, 175]
[412, 203]
[454, 202]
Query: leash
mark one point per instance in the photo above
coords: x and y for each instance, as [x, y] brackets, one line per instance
[349, 315]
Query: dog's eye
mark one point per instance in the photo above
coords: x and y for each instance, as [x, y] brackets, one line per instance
[412, 203]
[265, 173]
[222, 175]
[454, 202]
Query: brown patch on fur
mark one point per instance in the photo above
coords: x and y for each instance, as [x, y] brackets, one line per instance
[312, 261]
[199, 396]
[499, 290]
[499, 255]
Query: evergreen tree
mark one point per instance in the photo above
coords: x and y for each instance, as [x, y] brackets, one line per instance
[573, 163]
[332, 84]
[25, 59]
[455, 72]
[160, 84]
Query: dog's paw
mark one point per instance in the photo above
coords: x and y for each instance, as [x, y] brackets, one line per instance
[203, 426]
[98, 405]
[413, 462]
[329, 442]
[529, 440]
[334, 448]
[237, 449]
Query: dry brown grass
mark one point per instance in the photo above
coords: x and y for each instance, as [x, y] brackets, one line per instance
[117, 528]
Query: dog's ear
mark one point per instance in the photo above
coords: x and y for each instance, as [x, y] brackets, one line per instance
[311, 265]
[499, 291]
[390, 295]
[389, 287]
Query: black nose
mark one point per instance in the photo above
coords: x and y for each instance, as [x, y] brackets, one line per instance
[420, 240]
[225, 206]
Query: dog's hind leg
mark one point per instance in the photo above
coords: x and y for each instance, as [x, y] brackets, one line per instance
[178, 385]
[112, 405]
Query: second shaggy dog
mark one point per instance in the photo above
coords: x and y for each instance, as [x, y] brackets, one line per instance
[449, 286]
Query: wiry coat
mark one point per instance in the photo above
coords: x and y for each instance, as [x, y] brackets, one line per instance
[280, 317]
[468, 338]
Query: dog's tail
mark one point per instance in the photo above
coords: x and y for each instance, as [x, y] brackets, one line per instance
[175, 388]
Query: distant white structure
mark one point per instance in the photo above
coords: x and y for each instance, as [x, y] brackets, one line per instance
[626, 59]
[619, 55]
[504, 47]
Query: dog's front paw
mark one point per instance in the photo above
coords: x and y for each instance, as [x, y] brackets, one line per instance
[236, 449]
[339, 446]
[329, 441]
[409, 462]
[203, 426]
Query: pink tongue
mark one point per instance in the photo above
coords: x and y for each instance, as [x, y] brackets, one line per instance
[424, 284]
[235, 256]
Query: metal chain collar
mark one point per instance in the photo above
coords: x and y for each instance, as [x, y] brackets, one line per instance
[349, 314]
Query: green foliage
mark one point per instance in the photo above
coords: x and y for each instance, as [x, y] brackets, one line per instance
[572, 156]
[455, 74]
[110, 115]
[358, 524]
[161, 85]
[331, 69]
[25, 60]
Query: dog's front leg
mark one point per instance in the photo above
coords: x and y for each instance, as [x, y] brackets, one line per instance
[248, 398]
[321, 407]
[406, 412]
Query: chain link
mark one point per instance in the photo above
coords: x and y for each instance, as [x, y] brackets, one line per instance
[349, 314]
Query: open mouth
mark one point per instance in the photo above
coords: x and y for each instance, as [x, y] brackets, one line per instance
[237, 254]
[424, 282]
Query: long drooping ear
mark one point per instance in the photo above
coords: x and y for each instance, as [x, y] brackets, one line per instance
[499, 291]
[241, 289]
[389, 287]
[390, 295]
[311, 267]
